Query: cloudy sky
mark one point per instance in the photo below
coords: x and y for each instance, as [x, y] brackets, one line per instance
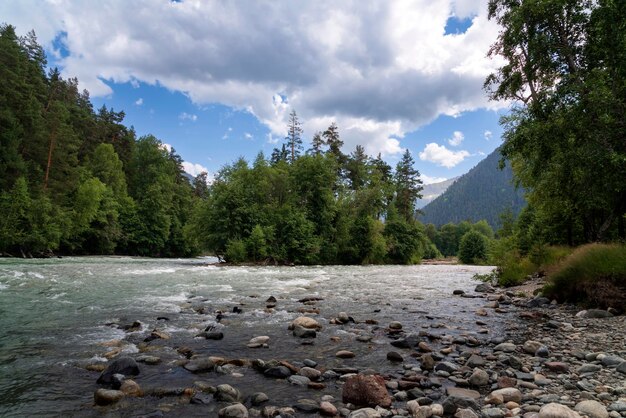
[217, 79]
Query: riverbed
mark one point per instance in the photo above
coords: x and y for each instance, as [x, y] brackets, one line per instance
[58, 316]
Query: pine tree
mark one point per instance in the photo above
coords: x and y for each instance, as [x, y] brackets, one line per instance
[316, 144]
[294, 135]
[408, 186]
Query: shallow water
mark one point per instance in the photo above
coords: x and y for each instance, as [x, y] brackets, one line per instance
[56, 313]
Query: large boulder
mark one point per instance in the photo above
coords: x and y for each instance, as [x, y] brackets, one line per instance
[123, 365]
[593, 409]
[369, 390]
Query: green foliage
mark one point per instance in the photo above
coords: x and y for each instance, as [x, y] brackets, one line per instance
[473, 248]
[235, 251]
[66, 171]
[256, 244]
[565, 140]
[593, 274]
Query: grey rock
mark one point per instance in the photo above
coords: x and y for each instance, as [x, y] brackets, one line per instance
[483, 288]
[227, 393]
[479, 377]
[492, 413]
[123, 365]
[365, 413]
[279, 372]
[301, 332]
[199, 365]
[588, 368]
[234, 411]
[107, 396]
[506, 347]
[555, 410]
[395, 356]
[465, 413]
[538, 301]
[621, 367]
[310, 373]
[258, 398]
[591, 408]
[299, 380]
[446, 366]
[475, 361]
[594, 313]
[609, 361]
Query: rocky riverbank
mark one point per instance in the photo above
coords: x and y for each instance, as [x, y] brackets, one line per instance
[524, 357]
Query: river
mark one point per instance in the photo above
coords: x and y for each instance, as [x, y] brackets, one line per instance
[55, 315]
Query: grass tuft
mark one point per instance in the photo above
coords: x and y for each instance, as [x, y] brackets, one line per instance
[594, 275]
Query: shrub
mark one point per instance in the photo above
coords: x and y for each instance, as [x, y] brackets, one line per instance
[593, 275]
[473, 248]
[235, 251]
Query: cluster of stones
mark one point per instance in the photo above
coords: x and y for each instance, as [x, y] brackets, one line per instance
[551, 363]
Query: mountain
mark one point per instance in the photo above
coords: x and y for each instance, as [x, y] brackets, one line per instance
[482, 193]
[432, 191]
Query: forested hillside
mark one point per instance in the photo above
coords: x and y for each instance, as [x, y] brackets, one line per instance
[484, 192]
[75, 180]
[432, 191]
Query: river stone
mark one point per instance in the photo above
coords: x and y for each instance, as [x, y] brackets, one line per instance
[299, 380]
[492, 413]
[427, 361]
[131, 388]
[211, 335]
[506, 347]
[609, 361]
[309, 372]
[594, 313]
[593, 409]
[200, 364]
[588, 368]
[227, 393]
[508, 394]
[395, 356]
[344, 354]
[479, 377]
[542, 352]
[308, 406]
[259, 341]
[107, 396]
[328, 409]
[462, 393]
[343, 318]
[465, 413]
[150, 360]
[305, 322]
[458, 292]
[366, 390]
[530, 346]
[621, 367]
[123, 365]
[418, 411]
[475, 361]
[556, 410]
[556, 366]
[279, 372]
[234, 411]
[302, 332]
[258, 398]
[365, 413]
[447, 367]
[483, 288]
[452, 403]
[395, 325]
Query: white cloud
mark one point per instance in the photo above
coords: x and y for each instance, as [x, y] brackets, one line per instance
[248, 136]
[194, 169]
[378, 71]
[442, 156]
[188, 116]
[430, 180]
[167, 147]
[139, 101]
[488, 135]
[457, 138]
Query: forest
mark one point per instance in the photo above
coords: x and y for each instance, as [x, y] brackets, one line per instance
[75, 180]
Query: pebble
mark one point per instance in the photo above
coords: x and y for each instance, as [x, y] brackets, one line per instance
[107, 396]
[236, 410]
[555, 410]
[344, 354]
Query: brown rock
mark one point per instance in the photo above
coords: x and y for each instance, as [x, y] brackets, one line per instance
[305, 322]
[506, 382]
[316, 385]
[344, 354]
[556, 366]
[131, 388]
[107, 397]
[328, 409]
[369, 390]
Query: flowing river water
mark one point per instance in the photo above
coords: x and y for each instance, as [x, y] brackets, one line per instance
[56, 314]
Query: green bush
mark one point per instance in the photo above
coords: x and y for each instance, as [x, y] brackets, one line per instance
[473, 248]
[593, 274]
[235, 251]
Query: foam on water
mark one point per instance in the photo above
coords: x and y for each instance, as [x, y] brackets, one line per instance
[3, 286]
[159, 270]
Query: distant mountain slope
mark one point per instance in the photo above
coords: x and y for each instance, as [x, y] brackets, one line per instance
[483, 193]
[432, 191]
